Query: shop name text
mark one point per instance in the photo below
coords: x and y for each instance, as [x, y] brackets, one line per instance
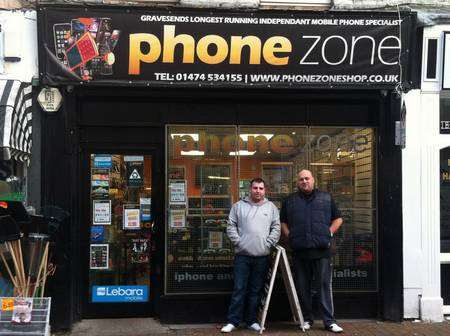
[275, 50]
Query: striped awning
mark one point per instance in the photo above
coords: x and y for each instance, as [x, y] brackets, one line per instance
[15, 119]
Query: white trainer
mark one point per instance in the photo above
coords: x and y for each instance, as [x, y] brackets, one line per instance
[228, 328]
[255, 327]
[306, 325]
[334, 328]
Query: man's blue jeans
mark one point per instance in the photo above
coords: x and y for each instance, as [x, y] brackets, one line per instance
[249, 278]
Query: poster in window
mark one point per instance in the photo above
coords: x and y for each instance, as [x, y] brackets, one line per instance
[101, 212]
[99, 256]
[100, 174]
[177, 193]
[100, 191]
[131, 217]
[134, 170]
[215, 240]
[102, 161]
[146, 209]
[139, 250]
[97, 234]
[177, 219]
[176, 173]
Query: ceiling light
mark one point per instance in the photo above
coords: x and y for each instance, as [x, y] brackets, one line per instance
[193, 153]
[242, 153]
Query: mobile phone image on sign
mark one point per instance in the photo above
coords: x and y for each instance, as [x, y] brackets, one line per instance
[82, 51]
[61, 33]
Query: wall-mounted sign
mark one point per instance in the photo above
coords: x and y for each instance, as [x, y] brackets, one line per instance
[50, 99]
[190, 48]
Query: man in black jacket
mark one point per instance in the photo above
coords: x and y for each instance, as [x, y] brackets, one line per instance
[309, 219]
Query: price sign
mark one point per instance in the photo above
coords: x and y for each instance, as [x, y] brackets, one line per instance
[7, 304]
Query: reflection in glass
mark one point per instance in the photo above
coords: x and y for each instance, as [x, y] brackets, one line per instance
[217, 164]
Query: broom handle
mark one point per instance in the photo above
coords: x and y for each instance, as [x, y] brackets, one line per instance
[16, 266]
[45, 269]
[8, 269]
[22, 267]
[33, 248]
[18, 253]
[38, 278]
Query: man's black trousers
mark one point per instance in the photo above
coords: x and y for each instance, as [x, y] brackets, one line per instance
[320, 271]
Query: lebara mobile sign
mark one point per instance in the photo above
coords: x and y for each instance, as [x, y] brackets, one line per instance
[119, 293]
[154, 47]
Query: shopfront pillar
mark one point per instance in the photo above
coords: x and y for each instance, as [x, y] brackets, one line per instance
[431, 301]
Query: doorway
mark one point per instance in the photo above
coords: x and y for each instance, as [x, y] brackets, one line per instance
[445, 227]
[119, 220]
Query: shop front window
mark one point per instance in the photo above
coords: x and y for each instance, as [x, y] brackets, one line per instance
[13, 180]
[343, 161]
[202, 172]
[209, 168]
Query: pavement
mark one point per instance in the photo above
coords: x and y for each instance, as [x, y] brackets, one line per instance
[150, 327]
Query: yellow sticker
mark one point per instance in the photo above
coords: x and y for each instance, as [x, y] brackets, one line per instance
[7, 304]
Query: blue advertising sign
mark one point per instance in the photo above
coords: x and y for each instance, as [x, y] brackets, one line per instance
[102, 161]
[97, 234]
[119, 293]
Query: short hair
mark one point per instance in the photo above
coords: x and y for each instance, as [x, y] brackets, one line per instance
[257, 180]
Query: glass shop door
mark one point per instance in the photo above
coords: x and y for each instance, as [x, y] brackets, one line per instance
[120, 235]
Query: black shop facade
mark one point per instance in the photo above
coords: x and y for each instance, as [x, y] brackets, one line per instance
[166, 117]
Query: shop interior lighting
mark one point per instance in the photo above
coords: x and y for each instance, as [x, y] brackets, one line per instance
[321, 164]
[193, 153]
[245, 136]
[340, 154]
[192, 135]
[242, 153]
[219, 177]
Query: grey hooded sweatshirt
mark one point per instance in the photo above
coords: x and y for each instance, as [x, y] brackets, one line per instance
[253, 228]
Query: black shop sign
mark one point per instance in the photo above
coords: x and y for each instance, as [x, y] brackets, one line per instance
[154, 47]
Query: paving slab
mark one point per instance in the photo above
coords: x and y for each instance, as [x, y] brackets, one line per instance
[152, 327]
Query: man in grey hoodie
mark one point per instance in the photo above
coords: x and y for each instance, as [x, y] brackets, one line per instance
[253, 228]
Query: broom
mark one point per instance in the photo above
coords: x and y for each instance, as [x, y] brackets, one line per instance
[10, 238]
